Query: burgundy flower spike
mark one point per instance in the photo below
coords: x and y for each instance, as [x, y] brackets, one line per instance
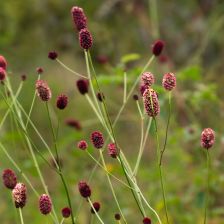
[85, 39]
[84, 189]
[97, 139]
[9, 178]
[79, 18]
[207, 138]
[19, 195]
[45, 204]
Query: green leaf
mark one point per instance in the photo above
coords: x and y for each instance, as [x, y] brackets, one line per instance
[130, 57]
[193, 73]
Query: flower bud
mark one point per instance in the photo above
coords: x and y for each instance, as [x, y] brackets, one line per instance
[96, 206]
[43, 90]
[62, 101]
[82, 145]
[45, 204]
[9, 178]
[158, 47]
[97, 139]
[84, 189]
[66, 212]
[83, 86]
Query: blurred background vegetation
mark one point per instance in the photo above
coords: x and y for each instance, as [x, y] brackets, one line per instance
[123, 31]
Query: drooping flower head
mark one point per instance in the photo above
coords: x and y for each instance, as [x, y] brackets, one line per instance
[147, 79]
[73, 124]
[147, 220]
[151, 102]
[45, 204]
[62, 101]
[9, 178]
[84, 189]
[112, 150]
[19, 195]
[43, 90]
[169, 81]
[66, 212]
[52, 55]
[83, 86]
[207, 138]
[96, 206]
[82, 145]
[85, 39]
[79, 18]
[157, 47]
[2, 74]
[97, 139]
[3, 62]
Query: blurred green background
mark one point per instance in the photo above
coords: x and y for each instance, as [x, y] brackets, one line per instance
[123, 32]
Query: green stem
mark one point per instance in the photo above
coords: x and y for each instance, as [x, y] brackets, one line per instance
[207, 187]
[111, 187]
[21, 216]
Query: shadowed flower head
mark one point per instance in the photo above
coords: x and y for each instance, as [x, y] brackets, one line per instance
[9, 178]
[117, 216]
[207, 138]
[82, 145]
[19, 195]
[151, 102]
[83, 86]
[43, 90]
[169, 81]
[112, 150]
[23, 77]
[66, 212]
[157, 47]
[45, 204]
[52, 55]
[84, 189]
[96, 206]
[147, 79]
[79, 18]
[2, 74]
[146, 220]
[3, 62]
[97, 139]
[73, 124]
[135, 97]
[62, 101]
[85, 39]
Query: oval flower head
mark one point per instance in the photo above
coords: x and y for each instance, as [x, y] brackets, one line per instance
[43, 90]
[207, 138]
[45, 204]
[9, 178]
[79, 18]
[151, 102]
[19, 195]
[169, 81]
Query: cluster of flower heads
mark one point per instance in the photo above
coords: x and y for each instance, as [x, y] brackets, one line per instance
[80, 23]
[150, 96]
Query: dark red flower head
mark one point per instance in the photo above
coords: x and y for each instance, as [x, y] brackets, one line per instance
[85, 39]
[158, 47]
[96, 206]
[97, 139]
[83, 86]
[3, 62]
[62, 101]
[66, 212]
[2, 74]
[169, 81]
[39, 70]
[79, 18]
[52, 55]
[147, 79]
[82, 145]
[135, 97]
[23, 77]
[207, 138]
[84, 189]
[112, 150]
[19, 195]
[45, 204]
[100, 96]
[43, 90]
[146, 220]
[73, 124]
[117, 216]
[151, 102]
[9, 178]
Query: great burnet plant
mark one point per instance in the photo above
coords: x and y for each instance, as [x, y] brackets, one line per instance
[89, 87]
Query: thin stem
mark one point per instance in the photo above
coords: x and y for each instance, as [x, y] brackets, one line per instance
[160, 171]
[32, 104]
[21, 216]
[207, 186]
[154, 18]
[89, 200]
[62, 221]
[111, 187]
[69, 69]
[167, 128]
[59, 165]
[125, 87]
